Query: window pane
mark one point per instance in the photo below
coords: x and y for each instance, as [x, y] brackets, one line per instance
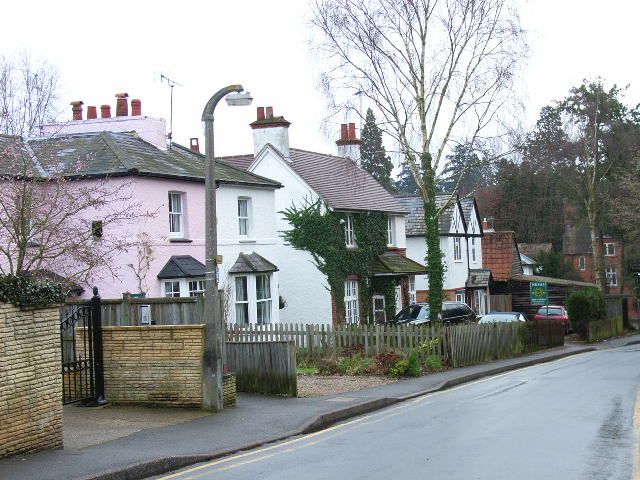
[263, 312]
[242, 313]
[242, 230]
[263, 287]
[242, 208]
[241, 289]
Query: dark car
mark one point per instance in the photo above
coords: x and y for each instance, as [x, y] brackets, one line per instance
[503, 317]
[418, 314]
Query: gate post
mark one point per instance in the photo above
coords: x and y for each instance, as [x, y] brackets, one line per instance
[96, 323]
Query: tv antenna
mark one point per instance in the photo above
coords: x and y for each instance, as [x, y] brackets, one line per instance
[171, 83]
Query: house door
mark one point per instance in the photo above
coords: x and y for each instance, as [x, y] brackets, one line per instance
[398, 298]
[379, 312]
[480, 302]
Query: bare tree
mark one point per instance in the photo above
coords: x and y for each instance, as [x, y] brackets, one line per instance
[437, 71]
[145, 256]
[53, 219]
[28, 94]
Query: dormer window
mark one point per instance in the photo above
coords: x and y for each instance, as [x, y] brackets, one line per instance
[349, 235]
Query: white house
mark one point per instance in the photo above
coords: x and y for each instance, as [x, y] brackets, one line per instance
[460, 226]
[344, 187]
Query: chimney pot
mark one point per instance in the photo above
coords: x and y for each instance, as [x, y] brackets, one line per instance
[122, 105]
[260, 113]
[194, 144]
[76, 109]
[352, 131]
[269, 113]
[136, 107]
[92, 112]
[105, 111]
[344, 132]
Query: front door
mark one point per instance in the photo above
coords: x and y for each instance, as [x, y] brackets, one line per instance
[480, 302]
[379, 312]
[398, 298]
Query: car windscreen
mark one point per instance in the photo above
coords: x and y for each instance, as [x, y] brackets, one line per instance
[414, 312]
[550, 312]
[496, 318]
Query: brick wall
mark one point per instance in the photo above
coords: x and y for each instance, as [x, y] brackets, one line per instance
[154, 365]
[30, 380]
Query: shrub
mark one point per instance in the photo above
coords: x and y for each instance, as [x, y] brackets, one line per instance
[584, 307]
[355, 365]
[413, 365]
[26, 293]
[327, 366]
[399, 368]
[433, 363]
[384, 362]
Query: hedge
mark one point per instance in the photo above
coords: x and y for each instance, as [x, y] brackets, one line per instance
[27, 293]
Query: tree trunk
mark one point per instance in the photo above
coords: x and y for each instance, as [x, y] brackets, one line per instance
[432, 234]
[596, 249]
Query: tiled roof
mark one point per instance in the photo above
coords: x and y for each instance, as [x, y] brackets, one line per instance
[414, 225]
[479, 277]
[393, 264]
[182, 266]
[118, 153]
[337, 180]
[533, 249]
[500, 254]
[252, 263]
[551, 281]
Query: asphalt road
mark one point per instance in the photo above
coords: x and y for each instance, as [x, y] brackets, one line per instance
[576, 418]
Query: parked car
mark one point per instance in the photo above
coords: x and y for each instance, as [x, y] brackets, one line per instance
[418, 314]
[503, 317]
[554, 312]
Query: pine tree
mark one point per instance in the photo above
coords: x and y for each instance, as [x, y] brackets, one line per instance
[406, 183]
[373, 156]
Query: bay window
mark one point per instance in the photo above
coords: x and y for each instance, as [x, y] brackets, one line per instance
[253, 299]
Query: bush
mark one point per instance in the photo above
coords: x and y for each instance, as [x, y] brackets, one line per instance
[413, 365]
[327, 366]
[399, 368]
[355, 365]
[26, 293]
[584, 307]
[384, 362]
[433, 363]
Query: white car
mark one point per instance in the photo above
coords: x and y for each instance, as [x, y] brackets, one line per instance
[502, 317]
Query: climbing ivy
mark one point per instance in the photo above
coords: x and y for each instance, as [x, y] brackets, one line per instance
[320, 231]
[28, 293]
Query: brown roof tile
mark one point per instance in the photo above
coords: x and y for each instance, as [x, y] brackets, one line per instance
[500, 254]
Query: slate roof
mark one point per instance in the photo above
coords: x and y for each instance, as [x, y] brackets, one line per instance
[124, 153]
[252, 263]
[467, 204]
[393, 264]
[181, 266]
[414, 225]
[337, 180]
[576, 240]
[479, 277]
[500, 254]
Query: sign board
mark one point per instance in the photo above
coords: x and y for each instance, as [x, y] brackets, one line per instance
[145, 314]
[137, 295]
[539, 293]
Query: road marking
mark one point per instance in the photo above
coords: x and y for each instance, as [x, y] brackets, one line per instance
[636, 428]
[365, 420]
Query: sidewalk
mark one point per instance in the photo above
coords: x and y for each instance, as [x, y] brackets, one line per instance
[254, 421]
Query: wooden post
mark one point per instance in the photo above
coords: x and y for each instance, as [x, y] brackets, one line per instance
[126, 309]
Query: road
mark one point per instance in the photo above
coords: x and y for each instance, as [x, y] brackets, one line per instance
[576, 418]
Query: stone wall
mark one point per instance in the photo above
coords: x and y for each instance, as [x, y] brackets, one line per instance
[30, 380]
[154, 365]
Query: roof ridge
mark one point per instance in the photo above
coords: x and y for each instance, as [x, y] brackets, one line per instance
[115, 148]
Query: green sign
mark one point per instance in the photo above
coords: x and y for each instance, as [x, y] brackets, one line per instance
[539, 293]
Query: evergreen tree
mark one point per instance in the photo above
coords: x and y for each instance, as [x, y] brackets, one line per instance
[406, 183]
[373, 156]
[464, 171]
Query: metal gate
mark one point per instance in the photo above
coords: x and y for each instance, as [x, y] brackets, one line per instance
[81, 342]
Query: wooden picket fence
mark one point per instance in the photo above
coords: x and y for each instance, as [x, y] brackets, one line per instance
[456, 345]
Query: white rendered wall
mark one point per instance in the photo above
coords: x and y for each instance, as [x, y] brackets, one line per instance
[278, 136]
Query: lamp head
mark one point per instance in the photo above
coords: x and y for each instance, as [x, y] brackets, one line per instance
[239, 99]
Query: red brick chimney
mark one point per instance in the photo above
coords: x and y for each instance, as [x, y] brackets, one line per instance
[122, 105]
[76, 109]
[194, 144]
[260, 115]
[349, 143]
[105, 111]
[136, 107]
[272, 130]
[92, 112]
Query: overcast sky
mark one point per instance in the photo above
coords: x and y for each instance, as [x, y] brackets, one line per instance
[101, 48]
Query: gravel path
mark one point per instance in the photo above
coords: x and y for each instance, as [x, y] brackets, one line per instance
[319, 385]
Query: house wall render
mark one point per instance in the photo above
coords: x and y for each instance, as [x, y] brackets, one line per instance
[30, 381]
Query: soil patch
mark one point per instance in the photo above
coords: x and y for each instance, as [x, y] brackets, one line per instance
[319, 385]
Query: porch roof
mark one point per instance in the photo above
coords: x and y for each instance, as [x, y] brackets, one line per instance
[391, 264]
[252, 263]
[479, 277]
[182, 266]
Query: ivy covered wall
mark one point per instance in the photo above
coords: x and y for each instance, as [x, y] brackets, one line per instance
[321, 232]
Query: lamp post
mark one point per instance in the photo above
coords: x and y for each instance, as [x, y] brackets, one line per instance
[214, 328]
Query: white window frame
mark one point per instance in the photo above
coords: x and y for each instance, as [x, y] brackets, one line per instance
[351, 303]
[199, 285]
[609, 249]
[582, 263]
[473, 250]
[178, 214]
[172, 284]
[244, 220]
[412, 290]
[460, 297]
[349, 234]
[611, 274]
[184, 287]
[266, 300]
[237, 302]
[390, 233]
[457, 249]
[375, 310]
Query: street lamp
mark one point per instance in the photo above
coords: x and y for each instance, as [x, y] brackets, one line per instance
[214, 328]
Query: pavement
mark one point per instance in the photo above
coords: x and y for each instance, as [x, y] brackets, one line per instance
[150, 444]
